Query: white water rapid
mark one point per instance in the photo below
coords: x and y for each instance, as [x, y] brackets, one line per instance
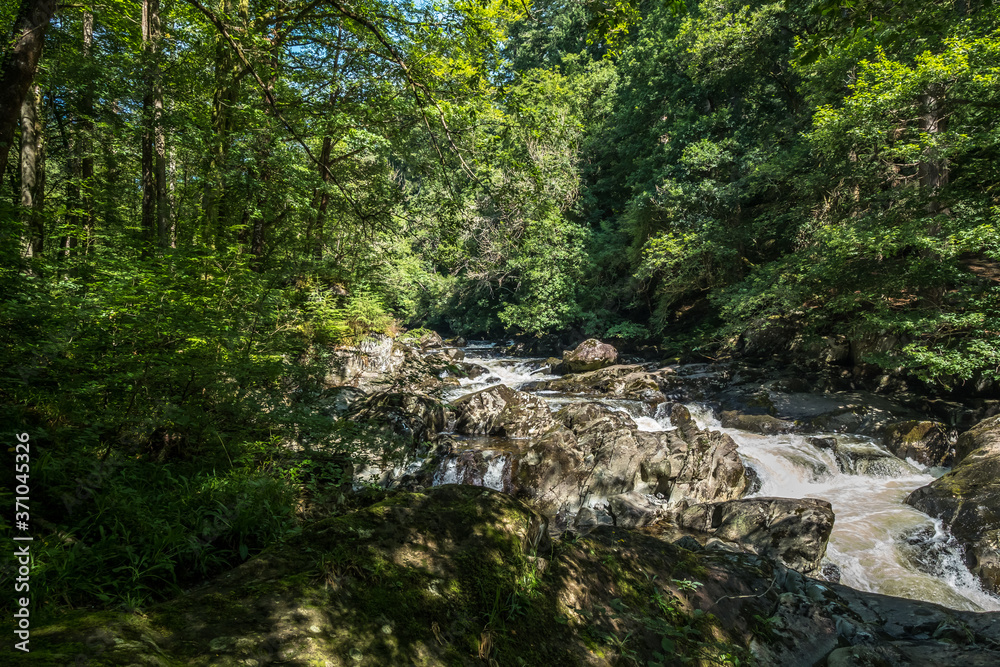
[879, 543]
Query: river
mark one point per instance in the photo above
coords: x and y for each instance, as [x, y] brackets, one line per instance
[879, 543]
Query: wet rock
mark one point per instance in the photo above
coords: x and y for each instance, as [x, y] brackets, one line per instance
[456, 342]
[823, 442]
[967, 499]
[863, 458]
[764, 424]
[502, 411]
[589, 355]
[795, 532]
[473, 371]
[926, 442]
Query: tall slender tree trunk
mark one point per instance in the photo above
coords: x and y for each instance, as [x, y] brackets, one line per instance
[324, 199]
[317, 238]
[18, 66]
[215, 207]
[86, 142]
[933, 170]
[32, 173]
[155, 211]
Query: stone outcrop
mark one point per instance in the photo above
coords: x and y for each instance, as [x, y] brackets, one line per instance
[926, 442]
[589, 355]
[597, 453]
[794, 532]
[632, 381]
[967, 499]
[502, 411]
[408, 417]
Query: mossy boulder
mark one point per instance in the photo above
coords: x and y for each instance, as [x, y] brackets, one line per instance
[967, 499]
[461, 576]
[926, 442]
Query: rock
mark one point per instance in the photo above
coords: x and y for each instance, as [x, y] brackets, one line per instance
[707, 468]
[926, 442]
[502, 411]
[372, 357]
[633, 510]
[430, 340]
[341, 399]
[985, 435]
[631, 382]
[967, 499]
[458, 341]
[596, 453]
[823, 442]
[865, 458]
[410, 417]
[764, 424]
[589, 355]
[473, 371]
[795, 532]
[452, 353]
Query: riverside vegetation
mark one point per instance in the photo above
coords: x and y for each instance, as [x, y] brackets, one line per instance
[214, 216]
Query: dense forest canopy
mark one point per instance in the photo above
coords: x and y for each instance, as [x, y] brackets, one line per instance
[200, 198]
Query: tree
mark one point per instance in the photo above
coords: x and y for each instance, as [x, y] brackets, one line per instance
[18, 66]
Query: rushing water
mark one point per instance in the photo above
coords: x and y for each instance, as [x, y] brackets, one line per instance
[879, 543]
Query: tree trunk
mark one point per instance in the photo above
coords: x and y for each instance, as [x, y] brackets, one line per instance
[18, 67]
[224, 99]
[154, 169]
[324, 198]
[933, 168]
[86, 143]
[32, 173]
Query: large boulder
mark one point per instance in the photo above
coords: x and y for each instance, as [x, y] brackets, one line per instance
[596, 453]
[926, 442]
[589, 355]
[631, 381]
[794, 532]
[502, 411]
[967, 499]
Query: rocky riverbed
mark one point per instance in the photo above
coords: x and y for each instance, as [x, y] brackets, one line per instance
[588, 511]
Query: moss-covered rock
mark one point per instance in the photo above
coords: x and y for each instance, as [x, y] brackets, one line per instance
[926, 442]
[967, 499]
[461, 576]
